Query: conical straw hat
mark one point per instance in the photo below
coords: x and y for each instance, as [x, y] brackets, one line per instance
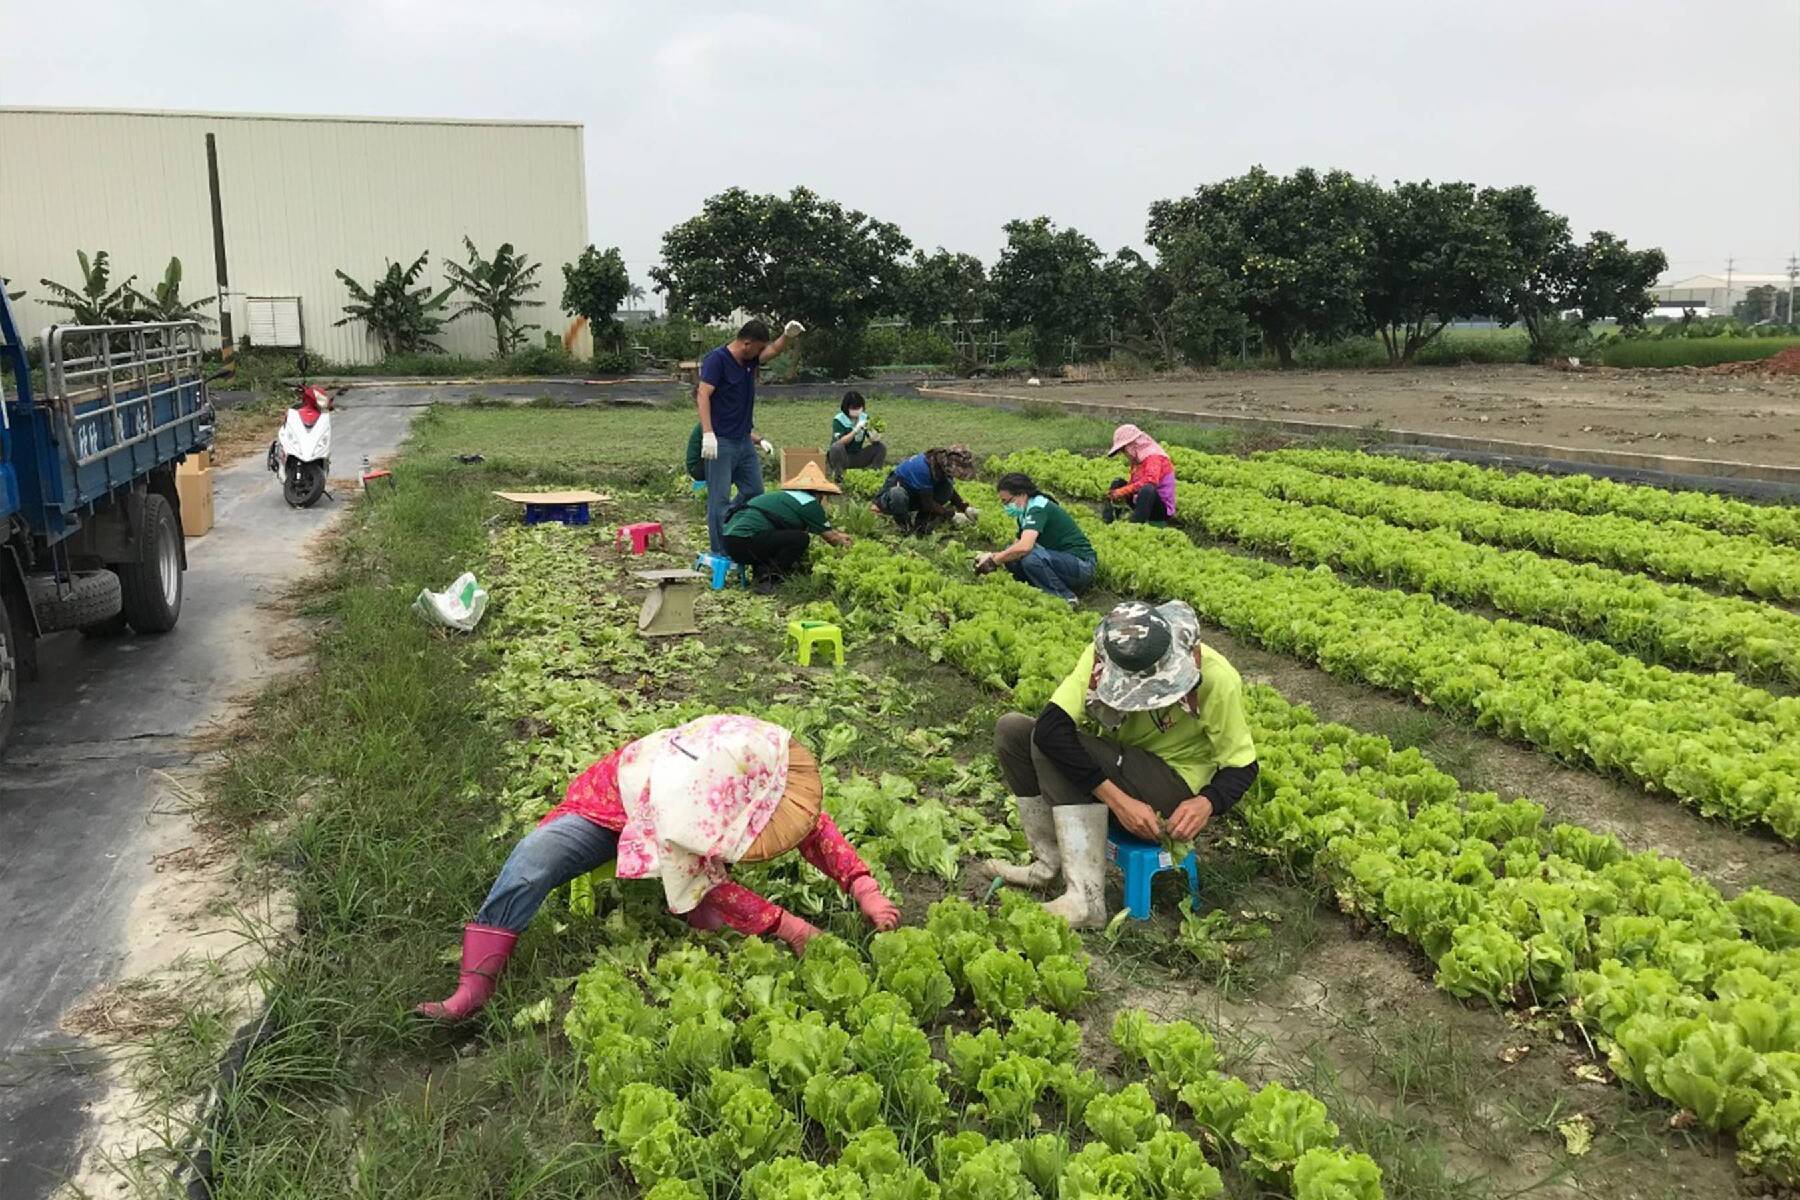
[809, 478]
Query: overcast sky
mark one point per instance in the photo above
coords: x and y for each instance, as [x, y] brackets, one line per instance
[1670, 122]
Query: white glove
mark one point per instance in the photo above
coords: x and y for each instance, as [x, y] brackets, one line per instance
[973, 513]
[984, 564]
[792, 329]
[862, 420]
[709, 445]
[767, 447]
[961, 518]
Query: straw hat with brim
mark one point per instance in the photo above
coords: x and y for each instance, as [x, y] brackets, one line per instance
[809, 478]
[1123, 436]
[1145, 656]
[797, 813]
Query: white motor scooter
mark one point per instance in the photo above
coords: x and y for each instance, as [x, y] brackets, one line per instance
[301, 454]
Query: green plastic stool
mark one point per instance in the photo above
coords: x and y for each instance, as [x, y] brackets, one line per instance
[807, 634]
[582, 887]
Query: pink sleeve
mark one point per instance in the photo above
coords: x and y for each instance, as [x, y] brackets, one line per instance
[826, 849]
[743, 909]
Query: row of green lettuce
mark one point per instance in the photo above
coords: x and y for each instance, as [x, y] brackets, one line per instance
[938, 1068]
[1695, 998]
[1669, 623]
[1730, 750]
[1571, 493]
[1671, 549]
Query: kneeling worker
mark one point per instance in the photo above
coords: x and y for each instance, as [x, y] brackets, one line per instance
[1051, 553]
[1172, 751]
[770, 531]
[921, 491]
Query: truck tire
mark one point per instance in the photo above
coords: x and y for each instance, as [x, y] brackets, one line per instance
[93, 598]
[151, 587]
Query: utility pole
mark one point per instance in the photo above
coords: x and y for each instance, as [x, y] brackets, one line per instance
[1793, 274]
[1730, 308]
[218, 231]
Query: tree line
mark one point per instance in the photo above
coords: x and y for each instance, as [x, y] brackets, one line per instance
[1282, 259]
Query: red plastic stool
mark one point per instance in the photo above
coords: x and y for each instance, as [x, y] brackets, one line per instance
[640, 535]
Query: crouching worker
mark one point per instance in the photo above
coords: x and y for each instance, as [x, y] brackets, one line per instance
[921, 491]
[696, 463]
[770, 531]
[1148, 729]
[854, 442]
[1148, 497]
[1051, 552]
[679, 806]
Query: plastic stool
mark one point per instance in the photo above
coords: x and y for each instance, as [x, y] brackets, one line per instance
[699, 487]
[807, 634]
[640, 535]
[1143, 861]
[719, 568]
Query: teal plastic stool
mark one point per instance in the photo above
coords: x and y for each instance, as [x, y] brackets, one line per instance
[719, 568]
[807, 634]
[700, 487]
[1142, 861]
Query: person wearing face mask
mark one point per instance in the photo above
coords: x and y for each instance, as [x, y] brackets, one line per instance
[679, 806]
[921, 492]
[1149, 729]
[1050, 553]
[854, 442]
[1148, 496]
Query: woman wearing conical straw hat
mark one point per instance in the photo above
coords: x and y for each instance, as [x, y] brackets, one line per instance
[770, 532]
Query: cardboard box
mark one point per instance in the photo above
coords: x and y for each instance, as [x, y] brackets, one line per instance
[194, 485]
[793, 460]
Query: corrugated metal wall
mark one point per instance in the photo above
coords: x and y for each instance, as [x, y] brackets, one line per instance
[302, 196]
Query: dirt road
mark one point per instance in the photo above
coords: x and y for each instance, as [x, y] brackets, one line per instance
[89, 822]
[1680, 412]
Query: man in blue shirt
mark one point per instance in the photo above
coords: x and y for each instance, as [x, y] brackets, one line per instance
[727, 402]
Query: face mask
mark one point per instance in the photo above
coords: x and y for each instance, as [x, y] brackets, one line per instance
[1013, 510]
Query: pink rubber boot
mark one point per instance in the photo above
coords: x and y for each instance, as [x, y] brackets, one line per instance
[484, 954]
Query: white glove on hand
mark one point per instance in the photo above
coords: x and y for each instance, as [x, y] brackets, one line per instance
[973, 513]
[709, 445]
[792, 329]
[862, 420]
[767, 446]
[961, 518]
[984, 564]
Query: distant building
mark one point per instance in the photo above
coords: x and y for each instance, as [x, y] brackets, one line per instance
[1708, 295]
[299, 197]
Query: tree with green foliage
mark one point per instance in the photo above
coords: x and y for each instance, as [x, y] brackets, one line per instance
[497, 288]
[1763, 303]
[164, 303]
[1295, 248]
[1179, 309]
[594, 286]
[403, 316]
[1051, 280]
[794, 257]
[944, 286]
[1555, 287]
[1437, 254]
[98, 301]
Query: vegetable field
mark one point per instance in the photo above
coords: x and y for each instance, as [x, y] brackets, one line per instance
[1406, 978]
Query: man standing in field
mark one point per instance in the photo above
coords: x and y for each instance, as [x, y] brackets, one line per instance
[726, 399]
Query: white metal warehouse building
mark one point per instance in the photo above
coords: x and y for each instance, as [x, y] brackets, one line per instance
[299, 197]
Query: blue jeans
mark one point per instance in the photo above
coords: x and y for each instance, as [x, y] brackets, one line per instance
[738, 463]
[545, 859]
[1055, 571]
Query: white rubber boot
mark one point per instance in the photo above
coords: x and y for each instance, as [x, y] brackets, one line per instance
[1040, 836]
[1081, 834]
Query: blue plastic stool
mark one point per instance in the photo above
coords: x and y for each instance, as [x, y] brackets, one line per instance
[700, 487]
[719, 567]
[1143, 861]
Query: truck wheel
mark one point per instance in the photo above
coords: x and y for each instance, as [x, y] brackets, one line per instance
[93, 598]
[151, 587]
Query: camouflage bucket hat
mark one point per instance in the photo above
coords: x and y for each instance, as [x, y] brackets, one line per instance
[1144, 656]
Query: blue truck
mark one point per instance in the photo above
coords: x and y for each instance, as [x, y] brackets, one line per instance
[90, 516]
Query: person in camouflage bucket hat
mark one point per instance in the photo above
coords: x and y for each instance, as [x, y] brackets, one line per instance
[1147, 730]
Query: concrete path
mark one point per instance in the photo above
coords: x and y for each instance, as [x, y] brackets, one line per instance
[77, 783]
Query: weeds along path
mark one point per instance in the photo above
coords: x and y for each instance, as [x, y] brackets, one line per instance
[1671, 549]
[1632, 947]
[1584, 494]
[1665, 623]
[1729, 749]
